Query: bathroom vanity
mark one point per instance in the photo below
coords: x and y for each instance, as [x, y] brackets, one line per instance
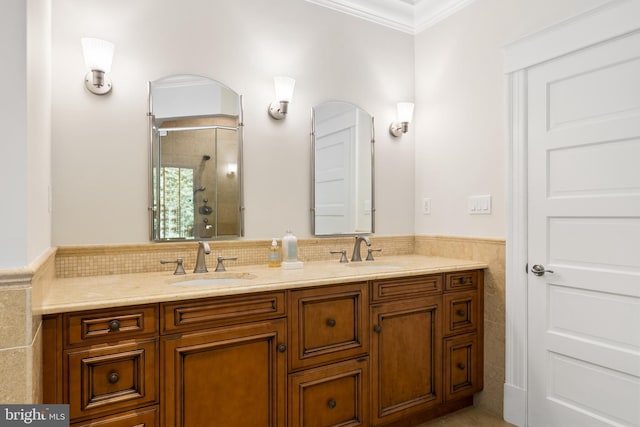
[369, 345]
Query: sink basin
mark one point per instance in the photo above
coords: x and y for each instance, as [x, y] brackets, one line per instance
[209, 279]
[372, 265]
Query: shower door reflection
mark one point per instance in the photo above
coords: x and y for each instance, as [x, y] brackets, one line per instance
[196, 180]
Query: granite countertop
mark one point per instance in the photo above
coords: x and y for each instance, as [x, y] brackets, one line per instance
[86, 293]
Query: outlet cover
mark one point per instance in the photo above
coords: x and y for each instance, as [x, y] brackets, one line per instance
[426, 206]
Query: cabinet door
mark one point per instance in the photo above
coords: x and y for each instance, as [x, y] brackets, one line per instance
[406, 358]
[333, 395]
[233, 377]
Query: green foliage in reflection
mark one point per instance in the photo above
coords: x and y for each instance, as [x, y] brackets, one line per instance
[176, 203]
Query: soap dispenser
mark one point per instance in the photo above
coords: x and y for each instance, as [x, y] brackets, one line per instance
[290, 252]
[274, 254]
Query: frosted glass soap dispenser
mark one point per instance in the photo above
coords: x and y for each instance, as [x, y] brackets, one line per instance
[290, 252]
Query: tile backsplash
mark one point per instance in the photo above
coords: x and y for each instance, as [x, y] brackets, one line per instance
[83, 261]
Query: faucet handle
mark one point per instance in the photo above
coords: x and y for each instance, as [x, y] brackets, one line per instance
[220, 266]
[370, 253]
[179, 266]
[343, 258]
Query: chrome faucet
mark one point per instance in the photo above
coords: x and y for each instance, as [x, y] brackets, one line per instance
[356, 248]
[201, 265]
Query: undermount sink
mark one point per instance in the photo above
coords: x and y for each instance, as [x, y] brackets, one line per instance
[208, 279]
[372, 265]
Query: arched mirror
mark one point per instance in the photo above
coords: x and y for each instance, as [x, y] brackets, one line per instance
[196, 159]
[342, 190]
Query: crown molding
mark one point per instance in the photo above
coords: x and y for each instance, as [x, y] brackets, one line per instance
[411, 16]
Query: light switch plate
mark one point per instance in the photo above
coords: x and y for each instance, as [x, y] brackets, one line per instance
[479, 205]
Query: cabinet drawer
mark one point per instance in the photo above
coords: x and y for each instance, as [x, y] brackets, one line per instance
[462, 371]
[98, 326]
[328, 324]
[111, 378]
[406, 287]
[145, 417]
[461, 280]
[214, 312]
[334, 395]
[460, 312]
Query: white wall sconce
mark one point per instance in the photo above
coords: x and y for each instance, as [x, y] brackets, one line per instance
[98, 55]
[405, 114]
[284, 92]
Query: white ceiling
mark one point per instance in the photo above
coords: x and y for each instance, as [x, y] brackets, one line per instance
[409, 16]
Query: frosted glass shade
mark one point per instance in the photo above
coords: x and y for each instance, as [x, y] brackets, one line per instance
[98, 54]
[284, 88]
[405, 112]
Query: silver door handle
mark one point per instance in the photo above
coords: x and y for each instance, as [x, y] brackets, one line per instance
[539, 270]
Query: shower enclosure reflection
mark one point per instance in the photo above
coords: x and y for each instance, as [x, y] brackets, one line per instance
[196, 132]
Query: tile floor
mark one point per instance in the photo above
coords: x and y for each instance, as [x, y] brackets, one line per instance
[468, 417]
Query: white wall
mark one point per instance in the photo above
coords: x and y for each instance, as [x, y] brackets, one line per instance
[100, 147]
[25, 105]
[460, 119]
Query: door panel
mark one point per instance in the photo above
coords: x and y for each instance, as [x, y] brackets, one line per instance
[584, 225]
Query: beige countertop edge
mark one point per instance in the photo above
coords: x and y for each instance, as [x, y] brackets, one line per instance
[96, 292]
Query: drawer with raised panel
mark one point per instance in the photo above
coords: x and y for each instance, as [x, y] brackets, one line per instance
[100, 326]
[333, 395]
[462, 366]
[460, 312]
[107, 379]
[460, 280]
[327, 324]
[406, 287]
[214, 312]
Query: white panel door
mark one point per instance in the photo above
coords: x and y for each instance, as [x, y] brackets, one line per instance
[584, 225]
[334, 174]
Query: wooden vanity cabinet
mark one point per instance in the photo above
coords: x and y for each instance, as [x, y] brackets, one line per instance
[389, 352]
[105, 365]
[426, 346]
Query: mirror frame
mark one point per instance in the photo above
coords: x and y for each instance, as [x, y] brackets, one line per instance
[313, 174]
[153, 209]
